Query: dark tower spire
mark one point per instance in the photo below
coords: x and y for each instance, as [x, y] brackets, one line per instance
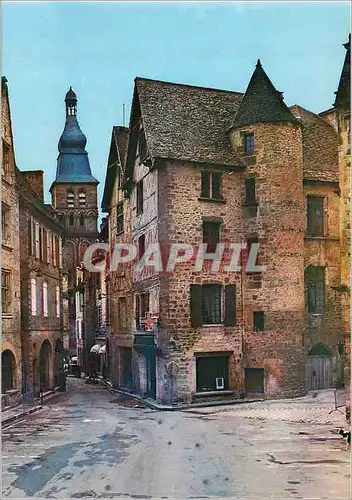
[262, 103]
[343, 92]
[73, 163]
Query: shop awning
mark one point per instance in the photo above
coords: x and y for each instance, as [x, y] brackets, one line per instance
[95, 349]
[102, 349]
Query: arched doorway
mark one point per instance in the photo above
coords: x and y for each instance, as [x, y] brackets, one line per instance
[319, 368]
[44, 365]
[58, 360]
[8, 370]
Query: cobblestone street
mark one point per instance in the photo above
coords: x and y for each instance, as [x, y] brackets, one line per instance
[81, 444]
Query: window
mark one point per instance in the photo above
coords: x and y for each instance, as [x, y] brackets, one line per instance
[48, 254]
[37, 241]
[6, 298]
[5, 159]
[70, 199]
[252, 241]
[258, 321]
[212, 373]
[211, 185]
[45, 299]
[5, 224]
[82, 199]
[119, 218]
[142, 145]
[41, 238]
[81, 220]
[71, 220]
[315, 216]
[31, 236]
[141, 246]
[122, 313]
[248, 140]
[139, 195]
[61, 218]
[58, 305]
[213, 304]
[34, 296]
[142, 307]
[315, 289]
[250, 190]
[211, 235]
[60, 252]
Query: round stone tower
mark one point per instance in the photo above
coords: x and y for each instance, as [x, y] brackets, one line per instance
[268, 138]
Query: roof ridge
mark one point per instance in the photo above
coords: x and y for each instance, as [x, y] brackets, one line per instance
[188, 85]
[311, 113]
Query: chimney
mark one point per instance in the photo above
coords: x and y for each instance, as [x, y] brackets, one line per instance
[36, 180]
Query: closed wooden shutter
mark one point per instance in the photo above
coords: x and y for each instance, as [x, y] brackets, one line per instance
[196, 305]
[45, 249]
[230, 305]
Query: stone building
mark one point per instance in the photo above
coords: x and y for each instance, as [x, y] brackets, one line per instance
[118, 284]
[74, 196]
[11, 358]
[208, 167]
[41, 286]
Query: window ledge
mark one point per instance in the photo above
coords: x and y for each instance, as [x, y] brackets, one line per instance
[7, 315]
[213, 393]
[326, 238]
[212, 325]
[212, 200]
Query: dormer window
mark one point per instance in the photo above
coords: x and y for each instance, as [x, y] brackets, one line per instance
[70, 199]
[82, 199]
[248, 143]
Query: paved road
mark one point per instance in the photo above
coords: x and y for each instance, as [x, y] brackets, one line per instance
[83, 445]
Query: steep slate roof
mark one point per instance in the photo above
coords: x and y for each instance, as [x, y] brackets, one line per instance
[184, 122]
[117, 157]
[320, 144]
[343, 93]
[262, 103]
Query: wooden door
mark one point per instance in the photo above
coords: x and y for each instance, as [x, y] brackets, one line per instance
[319, 373]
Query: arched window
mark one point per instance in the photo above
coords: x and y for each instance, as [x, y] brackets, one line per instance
[81, 220]
[82, 198]
[8, 366]
[71, 220]
[70, 199]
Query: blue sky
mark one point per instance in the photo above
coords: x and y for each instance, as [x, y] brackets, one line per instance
[99, 48]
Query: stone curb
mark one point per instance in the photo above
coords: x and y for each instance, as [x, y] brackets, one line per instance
[155, 406]
[13, 418]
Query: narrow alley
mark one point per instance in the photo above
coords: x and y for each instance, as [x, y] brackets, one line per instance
[82, 444]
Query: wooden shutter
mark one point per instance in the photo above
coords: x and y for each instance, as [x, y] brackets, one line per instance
[30, 236]
[45, 249]
[230, 305]
[40, 242]
[196, 305]
[60, 252]
[205, 191]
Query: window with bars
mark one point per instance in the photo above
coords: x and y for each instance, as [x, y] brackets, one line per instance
[70, 199]
[119, 218]
[6, 295]
[258, 321]
[142, 307]
[315, 216]
[211, 234]
[211, 185]
[139, 197]
[5, 159]
[213, 304]
[248, 140]
[315, 289]
[6, 223]
[82, 199]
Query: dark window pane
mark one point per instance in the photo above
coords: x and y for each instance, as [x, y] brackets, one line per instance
[139, 201]
[119, 218]
[249, 143]
[315, 216]
[211, 235]
[211, 304]
[315, 289]
[196, 305]
[216, 185]
[205, 193]
[258, 320]
[141, 246]
[250, 190]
